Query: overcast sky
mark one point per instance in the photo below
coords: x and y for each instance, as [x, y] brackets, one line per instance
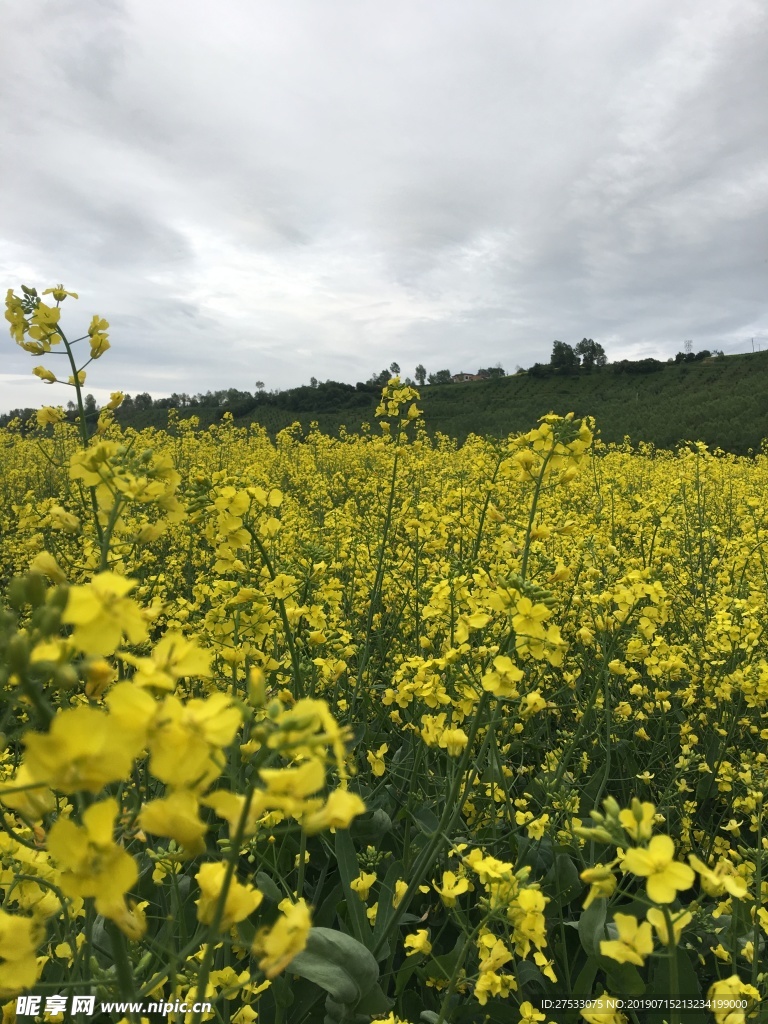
[251, 190]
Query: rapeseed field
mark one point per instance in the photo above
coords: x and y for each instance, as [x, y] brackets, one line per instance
[377, 727]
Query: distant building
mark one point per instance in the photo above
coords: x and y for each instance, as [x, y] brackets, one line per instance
[459, 378]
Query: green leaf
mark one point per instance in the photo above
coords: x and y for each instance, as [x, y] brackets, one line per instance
[374, 1002]
[325, 915]
[584, 984]
[562, 883]
[426, 820]
[339, 964]
[530, 979]
[281, 991]
[592, 927]
[246, 931]
[404, 974]
[370, 828]
[624, 978]
[357, 734]
[704, 788]
[536, 854]
[687, 979]
[267, 885]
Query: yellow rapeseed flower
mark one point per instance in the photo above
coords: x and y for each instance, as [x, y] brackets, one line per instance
[48, 415]
[102, 614]
[376, 760]
[59, 293]
[656, 863]
[22, 794]
[602, 882]
[734, 1000]
[94, 864]
[529, 1014]
[45, 375]
[603, 1011]
[451, 888]
[173, 657]
[720, 879]
[453, 741]
[638, 820]
[362, 884]
[418, 942]
[634, 942]
[176, 816]
[19, 938]
[46, 565]
[84, 749]
[657, 918]
[338, 812]
[277, 946]
[241, 900]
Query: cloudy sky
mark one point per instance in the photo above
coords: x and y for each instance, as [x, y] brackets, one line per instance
[251, 190]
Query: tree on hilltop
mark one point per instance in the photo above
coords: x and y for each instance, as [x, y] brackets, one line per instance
[591, 353]
[563, 357]
[441, 377]
[379, 379]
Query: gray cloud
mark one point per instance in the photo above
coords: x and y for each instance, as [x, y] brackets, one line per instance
[271, 191]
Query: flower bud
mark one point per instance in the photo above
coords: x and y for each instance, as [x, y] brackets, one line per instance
[17, 653]
[65, 677]
[49, 621]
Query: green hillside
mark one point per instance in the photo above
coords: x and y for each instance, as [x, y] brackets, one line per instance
[723, 402]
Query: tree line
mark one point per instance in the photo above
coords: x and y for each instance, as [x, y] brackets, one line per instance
[586, 356]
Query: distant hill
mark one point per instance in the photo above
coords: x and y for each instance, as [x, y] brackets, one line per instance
[721, 401]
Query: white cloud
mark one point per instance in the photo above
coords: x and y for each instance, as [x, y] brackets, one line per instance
[251, 190]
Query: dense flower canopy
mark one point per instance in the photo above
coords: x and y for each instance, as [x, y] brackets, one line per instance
[424, 726]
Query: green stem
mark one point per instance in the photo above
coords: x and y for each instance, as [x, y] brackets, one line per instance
[123, 967]
[486, 503]
[77, 386]
[298, 679]
[607, 713]
[532, 516]
[442, 1015]
[758, 893]
[580, 730]
[82, 427]
[377, 585]
[674, 981]
[114, 515]
[218, 912]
